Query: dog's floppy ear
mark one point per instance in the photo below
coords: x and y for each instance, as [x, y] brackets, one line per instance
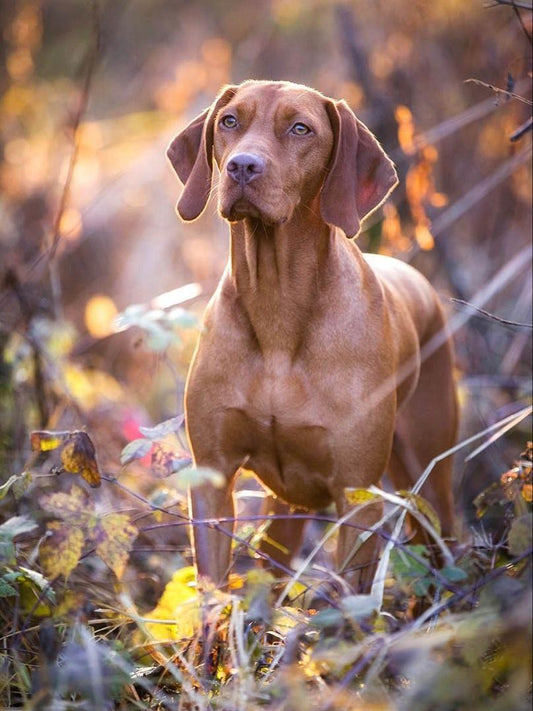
[191, 156]
[360, 176]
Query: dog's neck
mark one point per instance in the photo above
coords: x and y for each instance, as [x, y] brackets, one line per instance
[278, 273]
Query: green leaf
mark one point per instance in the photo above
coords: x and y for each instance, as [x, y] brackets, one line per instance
[163, 428]
[7, 551]
[359, 606]
[6, 590]
[404, 565]
[329, 617]
[22, 484]
[520, 535]
[36, 578]
[453, 574]
[194, 477]
[131, 316]
[137, 449]
[7, 485]
[158, 339]
[179, 464]
[421, 587]
[182, 318]
[17, 525]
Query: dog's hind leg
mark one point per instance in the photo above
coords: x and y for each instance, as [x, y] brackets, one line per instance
[426, 427]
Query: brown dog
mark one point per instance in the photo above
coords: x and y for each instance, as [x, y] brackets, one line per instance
[309, 369]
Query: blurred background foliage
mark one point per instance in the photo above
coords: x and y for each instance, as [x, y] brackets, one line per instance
[91, 93]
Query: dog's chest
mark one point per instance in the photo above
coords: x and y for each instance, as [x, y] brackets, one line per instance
[278, 428]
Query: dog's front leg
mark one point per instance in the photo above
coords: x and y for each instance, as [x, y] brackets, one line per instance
[212, 521]
[357, 553]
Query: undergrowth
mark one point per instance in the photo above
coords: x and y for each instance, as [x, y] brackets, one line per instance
[99, 608]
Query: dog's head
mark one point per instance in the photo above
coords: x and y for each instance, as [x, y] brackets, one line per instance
[278, 146]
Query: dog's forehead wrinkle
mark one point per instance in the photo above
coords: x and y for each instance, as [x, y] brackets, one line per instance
[293, 106]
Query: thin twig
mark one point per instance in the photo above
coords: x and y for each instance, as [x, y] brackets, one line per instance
[512, 3]
[497, 90]
[521, 130]
[467, 592]
[487, 314]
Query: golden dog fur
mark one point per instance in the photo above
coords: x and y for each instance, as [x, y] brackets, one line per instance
[308, 370]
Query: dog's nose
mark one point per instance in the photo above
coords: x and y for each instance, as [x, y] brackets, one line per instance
[245, 167]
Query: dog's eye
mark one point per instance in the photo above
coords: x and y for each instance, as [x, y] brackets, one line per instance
[228, 121]
[300, 129]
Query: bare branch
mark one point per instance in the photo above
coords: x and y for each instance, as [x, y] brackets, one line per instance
[486, 314]
[497, 90]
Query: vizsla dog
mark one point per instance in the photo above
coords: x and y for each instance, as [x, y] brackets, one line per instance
[308, 370]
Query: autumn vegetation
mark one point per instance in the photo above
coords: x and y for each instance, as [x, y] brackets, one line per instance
[101, 295]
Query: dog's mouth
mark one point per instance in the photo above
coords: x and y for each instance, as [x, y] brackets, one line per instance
[241, 209]
[240, 205]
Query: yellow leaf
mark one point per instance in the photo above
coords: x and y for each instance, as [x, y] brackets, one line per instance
[74, 507]
[44, 441]
[424, 507]
[235, 581]
[527, 492]
[296, 590]
[178, 609]
[30, 600]
[78, 456]
[359, 496]
[91, 388]
[286, 618]
[114, 536]
[61, 551]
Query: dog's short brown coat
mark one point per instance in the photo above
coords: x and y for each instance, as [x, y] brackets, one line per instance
[308, 370]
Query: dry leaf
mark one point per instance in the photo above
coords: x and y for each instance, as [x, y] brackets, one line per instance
[357, 497]
[61, 551]
[424, 507]
[44, 441]
[74, 507]
[114, 536]
[78, 456]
